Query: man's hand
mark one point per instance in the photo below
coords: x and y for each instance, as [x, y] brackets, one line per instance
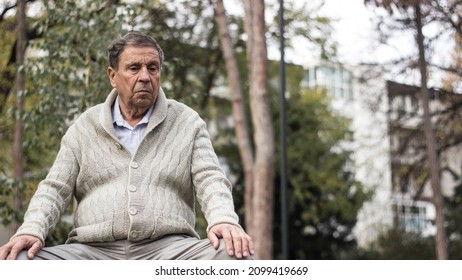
[23, 242]
[237, 242]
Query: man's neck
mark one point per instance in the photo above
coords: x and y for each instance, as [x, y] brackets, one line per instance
[133, 117]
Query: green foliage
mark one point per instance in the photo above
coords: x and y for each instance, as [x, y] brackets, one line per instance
[324, 198]
[70, 65]
[66, 74]
[7, 70]
[396, 244]
[303, 23]
[59, 234]
[454, 205]
[7, 212]
[454, 217]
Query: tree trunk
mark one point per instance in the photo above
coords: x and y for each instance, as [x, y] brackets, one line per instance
[433, 160]
[258, 171]
[263, 130]
[240, 122]
[18, 168]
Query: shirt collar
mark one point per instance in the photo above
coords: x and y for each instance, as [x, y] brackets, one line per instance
[119, 119]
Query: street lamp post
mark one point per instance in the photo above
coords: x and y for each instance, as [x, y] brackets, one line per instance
[282, 74]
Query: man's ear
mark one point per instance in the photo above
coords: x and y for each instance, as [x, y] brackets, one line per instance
[111, 74]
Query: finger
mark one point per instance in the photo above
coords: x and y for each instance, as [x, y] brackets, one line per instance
[213, 238]
[228, 239]
[237, 243]
[245, 246]
[250, 246]
[4, 251]
[16, 249]
[36, 247]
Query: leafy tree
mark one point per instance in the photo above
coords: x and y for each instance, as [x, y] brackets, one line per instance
[453, 217]
[453, 80]
[12, 92]
[20, 89]
[415, 16]
[68, 73]
[257, 158]
[309, 116]
[241, 126]
[324, 198]
[397, 244]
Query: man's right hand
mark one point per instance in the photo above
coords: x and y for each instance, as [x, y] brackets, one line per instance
[10, 250]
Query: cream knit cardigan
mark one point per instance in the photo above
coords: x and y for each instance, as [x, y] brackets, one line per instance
[144, 196]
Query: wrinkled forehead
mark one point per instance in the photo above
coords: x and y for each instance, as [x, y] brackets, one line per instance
[139, 54]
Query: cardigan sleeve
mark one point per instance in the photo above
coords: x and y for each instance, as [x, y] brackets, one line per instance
[212, 187]
[53, 194]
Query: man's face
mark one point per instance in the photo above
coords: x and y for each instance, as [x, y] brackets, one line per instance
[137, 79]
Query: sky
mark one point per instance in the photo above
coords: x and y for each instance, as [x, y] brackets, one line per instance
[355, 33]
[353, 30]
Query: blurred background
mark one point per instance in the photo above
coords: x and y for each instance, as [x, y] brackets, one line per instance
[339, 123]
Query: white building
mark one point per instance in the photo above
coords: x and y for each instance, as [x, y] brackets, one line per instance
[412, 200]
[372, 103]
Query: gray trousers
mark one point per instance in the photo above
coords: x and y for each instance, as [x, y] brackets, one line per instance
[172, 247]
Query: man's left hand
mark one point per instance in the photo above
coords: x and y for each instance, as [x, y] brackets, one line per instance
[237, 242]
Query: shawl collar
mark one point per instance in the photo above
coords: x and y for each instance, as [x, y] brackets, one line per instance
[158, 115]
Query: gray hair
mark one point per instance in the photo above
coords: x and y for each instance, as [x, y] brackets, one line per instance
[134, 39]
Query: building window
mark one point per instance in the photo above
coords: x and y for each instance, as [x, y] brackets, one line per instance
[412, 218]
[337, 81]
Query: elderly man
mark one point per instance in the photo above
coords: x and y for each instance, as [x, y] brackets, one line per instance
[135, 165]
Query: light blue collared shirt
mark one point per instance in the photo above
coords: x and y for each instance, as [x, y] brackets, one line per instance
[129, 136]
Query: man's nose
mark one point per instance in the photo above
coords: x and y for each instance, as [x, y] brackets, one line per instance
[143, 75]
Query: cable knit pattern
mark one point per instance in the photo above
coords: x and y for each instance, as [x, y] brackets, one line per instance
[120, 196]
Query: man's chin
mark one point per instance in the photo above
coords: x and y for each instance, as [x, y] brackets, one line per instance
[142, 103]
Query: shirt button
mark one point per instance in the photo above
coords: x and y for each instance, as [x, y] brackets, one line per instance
[134, 165]
[132, 188]
[134, 233]
[132, 211]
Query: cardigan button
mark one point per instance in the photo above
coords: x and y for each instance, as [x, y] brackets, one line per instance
[134, 165]
[132, 188]
[132, 211]
[119, 146]
[134, 233]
